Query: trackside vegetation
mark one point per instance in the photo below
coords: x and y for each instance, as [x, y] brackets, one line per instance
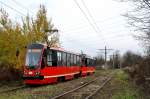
[125, 88]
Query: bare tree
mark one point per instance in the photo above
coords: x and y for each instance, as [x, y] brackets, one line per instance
[130, 59]
[139, 20]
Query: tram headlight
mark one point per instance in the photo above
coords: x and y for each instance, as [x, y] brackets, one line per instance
[37, 73]
[25, 72]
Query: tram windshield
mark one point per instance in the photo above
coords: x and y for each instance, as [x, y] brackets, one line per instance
[33, 57]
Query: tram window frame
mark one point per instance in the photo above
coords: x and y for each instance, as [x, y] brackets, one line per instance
[68, 59]
[49, 57]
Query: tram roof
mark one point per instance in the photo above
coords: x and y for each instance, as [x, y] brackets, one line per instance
[62, 50]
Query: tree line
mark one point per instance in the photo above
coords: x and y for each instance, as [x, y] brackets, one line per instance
[139, 19]
[15, 36]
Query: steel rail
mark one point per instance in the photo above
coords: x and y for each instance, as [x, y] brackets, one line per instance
[107, 80]
[65, 93]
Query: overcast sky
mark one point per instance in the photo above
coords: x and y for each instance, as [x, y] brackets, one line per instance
[76, 33]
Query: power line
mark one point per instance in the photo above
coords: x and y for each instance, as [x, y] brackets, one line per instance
[82, 44]
[85, 28]
[89, 14]
[113, 39]
[19, 4]
[119, 37]
[102, 21]
[85, 16]
[12, 8]
[95, 25]
[79, 43]
[147, 3]
[88, 11]
[118, 33]
[85, 13]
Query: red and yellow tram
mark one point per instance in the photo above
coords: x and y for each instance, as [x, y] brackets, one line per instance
[44, 65]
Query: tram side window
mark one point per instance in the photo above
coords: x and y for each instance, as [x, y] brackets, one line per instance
[75, 60]
[68, 59]
[59, 59]
[71, 59]
[83, 61]
[88, 62]
[54, 58]
[91, 62]
[78, 60]
[64, 59]
[49, 57]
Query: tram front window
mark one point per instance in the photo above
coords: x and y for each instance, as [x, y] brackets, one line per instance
[33, 57]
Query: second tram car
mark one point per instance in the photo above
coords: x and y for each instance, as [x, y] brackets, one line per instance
[44, 65]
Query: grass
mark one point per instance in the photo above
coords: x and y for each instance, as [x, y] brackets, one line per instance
[126, 89]
[120, 88]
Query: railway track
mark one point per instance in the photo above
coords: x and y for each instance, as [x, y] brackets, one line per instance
[21, 87]
[91, 95]
[85, 91]
[13, 89]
